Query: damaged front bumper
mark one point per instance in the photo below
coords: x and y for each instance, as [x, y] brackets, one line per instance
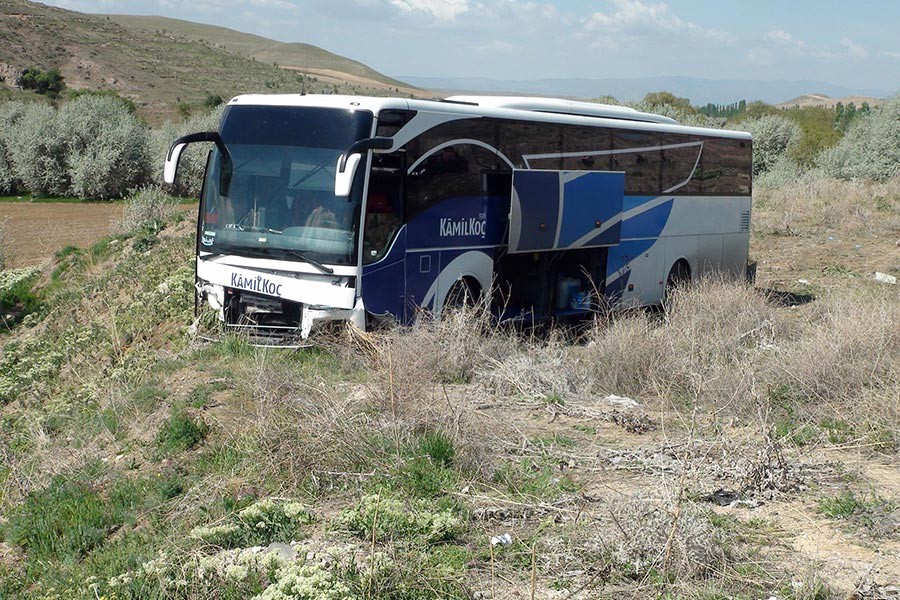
[274, 307]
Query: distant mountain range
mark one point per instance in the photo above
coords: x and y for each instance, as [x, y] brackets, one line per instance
[699, 91]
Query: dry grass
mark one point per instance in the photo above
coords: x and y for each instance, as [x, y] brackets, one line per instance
[812, 205]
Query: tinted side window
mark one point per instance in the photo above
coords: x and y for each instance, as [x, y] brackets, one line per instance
[519, 139]
[679, 158]
[637, 153]
[725, 167]
[391, 121]
[452, 172]
[589, 141]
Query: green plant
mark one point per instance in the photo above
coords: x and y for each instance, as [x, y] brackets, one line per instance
[388, 518]
[49, 82]
[259, 523]
[181, 432]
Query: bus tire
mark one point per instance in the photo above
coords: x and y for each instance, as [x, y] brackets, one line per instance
[679, 276]
[464, 293]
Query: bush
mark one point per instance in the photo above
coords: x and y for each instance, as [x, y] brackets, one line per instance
[10, 114]
[181, 432]
[147, 209]
[870, 149]
[773, 136]
[49, 83]
[37, 147]
[107, 148]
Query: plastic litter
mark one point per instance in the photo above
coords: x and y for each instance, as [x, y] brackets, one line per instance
[501, 540]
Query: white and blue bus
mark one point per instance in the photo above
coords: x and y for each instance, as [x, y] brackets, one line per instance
[319, 208]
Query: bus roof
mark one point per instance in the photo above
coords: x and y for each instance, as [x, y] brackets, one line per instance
[553, 110]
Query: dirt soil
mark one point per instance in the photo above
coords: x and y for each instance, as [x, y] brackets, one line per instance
[33, 232]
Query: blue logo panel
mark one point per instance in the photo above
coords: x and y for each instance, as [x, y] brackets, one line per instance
[459, 222]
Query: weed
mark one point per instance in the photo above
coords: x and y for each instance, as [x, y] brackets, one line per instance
[879, 517]
[259, 523]
[386, 518]
[181, 432]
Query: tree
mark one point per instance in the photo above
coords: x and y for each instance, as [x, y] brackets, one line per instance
[773, 137]
[871, 147]
[668, 98]
[49, 83]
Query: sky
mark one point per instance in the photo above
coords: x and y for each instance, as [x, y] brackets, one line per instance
[854, 44]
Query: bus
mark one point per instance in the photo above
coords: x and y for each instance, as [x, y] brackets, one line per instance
[324, 208]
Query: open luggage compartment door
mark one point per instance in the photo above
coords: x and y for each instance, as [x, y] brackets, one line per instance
[561, 210]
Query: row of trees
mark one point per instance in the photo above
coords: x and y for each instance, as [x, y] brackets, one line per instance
[844, 142]
[91, 147]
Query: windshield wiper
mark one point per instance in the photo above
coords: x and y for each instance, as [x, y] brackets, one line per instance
[311, 261]
[267, 252]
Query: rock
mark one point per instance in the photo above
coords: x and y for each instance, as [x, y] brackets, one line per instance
[885, 278]
[285, 551]
[621, 401]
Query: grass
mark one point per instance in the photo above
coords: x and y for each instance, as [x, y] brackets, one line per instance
[180, 432]
[877, 516]
[402, 453]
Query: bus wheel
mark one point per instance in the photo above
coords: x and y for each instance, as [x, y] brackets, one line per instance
[463, 293]
[679, 276]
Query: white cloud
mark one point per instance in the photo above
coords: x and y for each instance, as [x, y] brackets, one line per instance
[783, 37]
[891, 54]
[854, 49]
[441, 10]
[636, 17]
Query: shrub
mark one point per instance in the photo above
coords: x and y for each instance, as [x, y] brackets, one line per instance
[261, 523]
[107, 147]
[385, 518]
[871, 147]
[10, 114]
[37, 147]
[181, 432]
[147, 209]
[49, 82]
[773, 136]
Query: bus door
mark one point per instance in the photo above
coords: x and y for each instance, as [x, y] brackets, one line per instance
[384, 239]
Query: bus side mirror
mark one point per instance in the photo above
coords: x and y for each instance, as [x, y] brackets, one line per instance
[348, 162]
[171, 166]
[343, 179]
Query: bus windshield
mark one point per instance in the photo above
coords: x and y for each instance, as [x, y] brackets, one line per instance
[276, 196]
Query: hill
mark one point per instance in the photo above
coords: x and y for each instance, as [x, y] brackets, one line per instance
[828, 102]
[166, 74]
[302, 57]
